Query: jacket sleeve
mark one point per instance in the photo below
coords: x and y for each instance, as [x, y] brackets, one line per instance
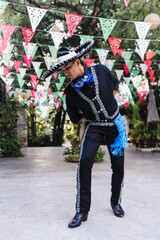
[113, 78]
[73, 112]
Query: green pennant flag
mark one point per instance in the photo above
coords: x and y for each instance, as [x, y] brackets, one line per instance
[3, 6]
[28, 93]
[61, 79]
[107, 26]
[127, 56]
[20, 80]
[135, 72]
[20, 91]
[64, 99]
[159, 65]
[158, 51]
[130, 64]
[45, 102]
[39, 72]
[84, 38]
[58, 85]
[34, 51]
[56, 95]
[53, 51]
[7, 58]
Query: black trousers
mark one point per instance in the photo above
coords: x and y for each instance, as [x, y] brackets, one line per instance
[90, 144]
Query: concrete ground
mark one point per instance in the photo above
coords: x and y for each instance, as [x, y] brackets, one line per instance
[37, 198]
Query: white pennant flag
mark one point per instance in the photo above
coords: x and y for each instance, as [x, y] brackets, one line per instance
[109, 64]
[143, 45]
[44, 94]
[119, 73]
[127, 80]
[102, 54]
[9, 81]
[144, 68]
[9, 48]
[29, 49]
[49, 78]
[57, 38]
[46, 85]
[48, 61]
[22, 71]
[10, 93]
[35, 15]
[8, 88]
[36, 66]
[142, 29]
[60, 94]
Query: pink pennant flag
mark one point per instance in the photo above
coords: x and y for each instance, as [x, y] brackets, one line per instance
[126, 69]
[27, 34]
[126, 2]
[33, 92]
[6, 71]
[119, 52]
[55, 75]
[33, 81]
[72, 21]
[126, 104]
[3, 45]
[17, 65]
[148, 63]
[152, 78]
[142, 96]
[7, 30]
[89, 62]
[114, 44]
[27, 60]
[150, 55]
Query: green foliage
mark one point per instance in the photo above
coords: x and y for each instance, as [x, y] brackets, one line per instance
[143, 134]
[10, 145]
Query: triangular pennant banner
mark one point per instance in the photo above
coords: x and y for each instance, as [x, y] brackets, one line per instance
[126, 69]
[7, 58]
[126, 2]
[35, 15]
[3, 6]
[3, 45]
[53, 51]
[48, 61]
[143, 45]
[119, 73]
[150, 55]
[142, 29]
[119, 51]
[58, 85]
[85, 38]
[89, 62]
[27, 34]
[55, 75]
[27, 60]
[7, 31]
[127, 80]
[6, 71]
[107, 26]
[57, 38]
[8, 88]
[46, 85]
[72, 22]
[20, 80]
[144, 68]
[135, 72]
[22, 71]
[102, 54]
[127, 56]
[9, 48]
[109, 64]
[36, 66]
[114, 44]
[8, 81]
[29, 49]
[142, 96]
[17, 65]
[130, 64]
[33, 81]
[39, 73]
[148, 64]
[61, 79]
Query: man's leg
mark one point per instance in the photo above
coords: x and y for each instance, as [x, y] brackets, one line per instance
[89, 146]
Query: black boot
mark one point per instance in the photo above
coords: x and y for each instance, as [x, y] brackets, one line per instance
[77, 220]
[117, 209]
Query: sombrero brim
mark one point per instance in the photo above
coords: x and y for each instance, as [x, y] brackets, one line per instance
[81, 50]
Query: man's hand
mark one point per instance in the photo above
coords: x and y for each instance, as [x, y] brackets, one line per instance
[114, 92]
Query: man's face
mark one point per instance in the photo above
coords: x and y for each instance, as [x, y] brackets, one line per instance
[73, 70]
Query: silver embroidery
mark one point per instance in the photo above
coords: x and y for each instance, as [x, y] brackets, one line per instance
[98, 97]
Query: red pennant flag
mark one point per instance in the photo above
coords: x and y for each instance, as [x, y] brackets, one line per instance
[152, 78]
[33, 81]
[6, 71]
[126, 104]
[3, 45]
[151, 72]
[89, 62]
[17, 65]
[119, 52]
[148, 63]
[33, 92]
[114, 44]
[150, 55]
[7, 30]
[27, 34]
[72, 21]
[55, 75]
[27, 60]
[141, 96]
[126, 69]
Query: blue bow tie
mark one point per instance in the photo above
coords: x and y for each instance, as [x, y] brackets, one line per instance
[87, 78]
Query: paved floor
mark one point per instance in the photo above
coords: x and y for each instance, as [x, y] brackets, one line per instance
[37, 198]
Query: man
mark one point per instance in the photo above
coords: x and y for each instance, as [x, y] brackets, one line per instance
[90, 96]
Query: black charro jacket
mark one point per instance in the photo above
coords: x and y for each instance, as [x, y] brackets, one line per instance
[95, 100]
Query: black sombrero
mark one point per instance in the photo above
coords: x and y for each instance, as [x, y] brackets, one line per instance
[65, 55]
